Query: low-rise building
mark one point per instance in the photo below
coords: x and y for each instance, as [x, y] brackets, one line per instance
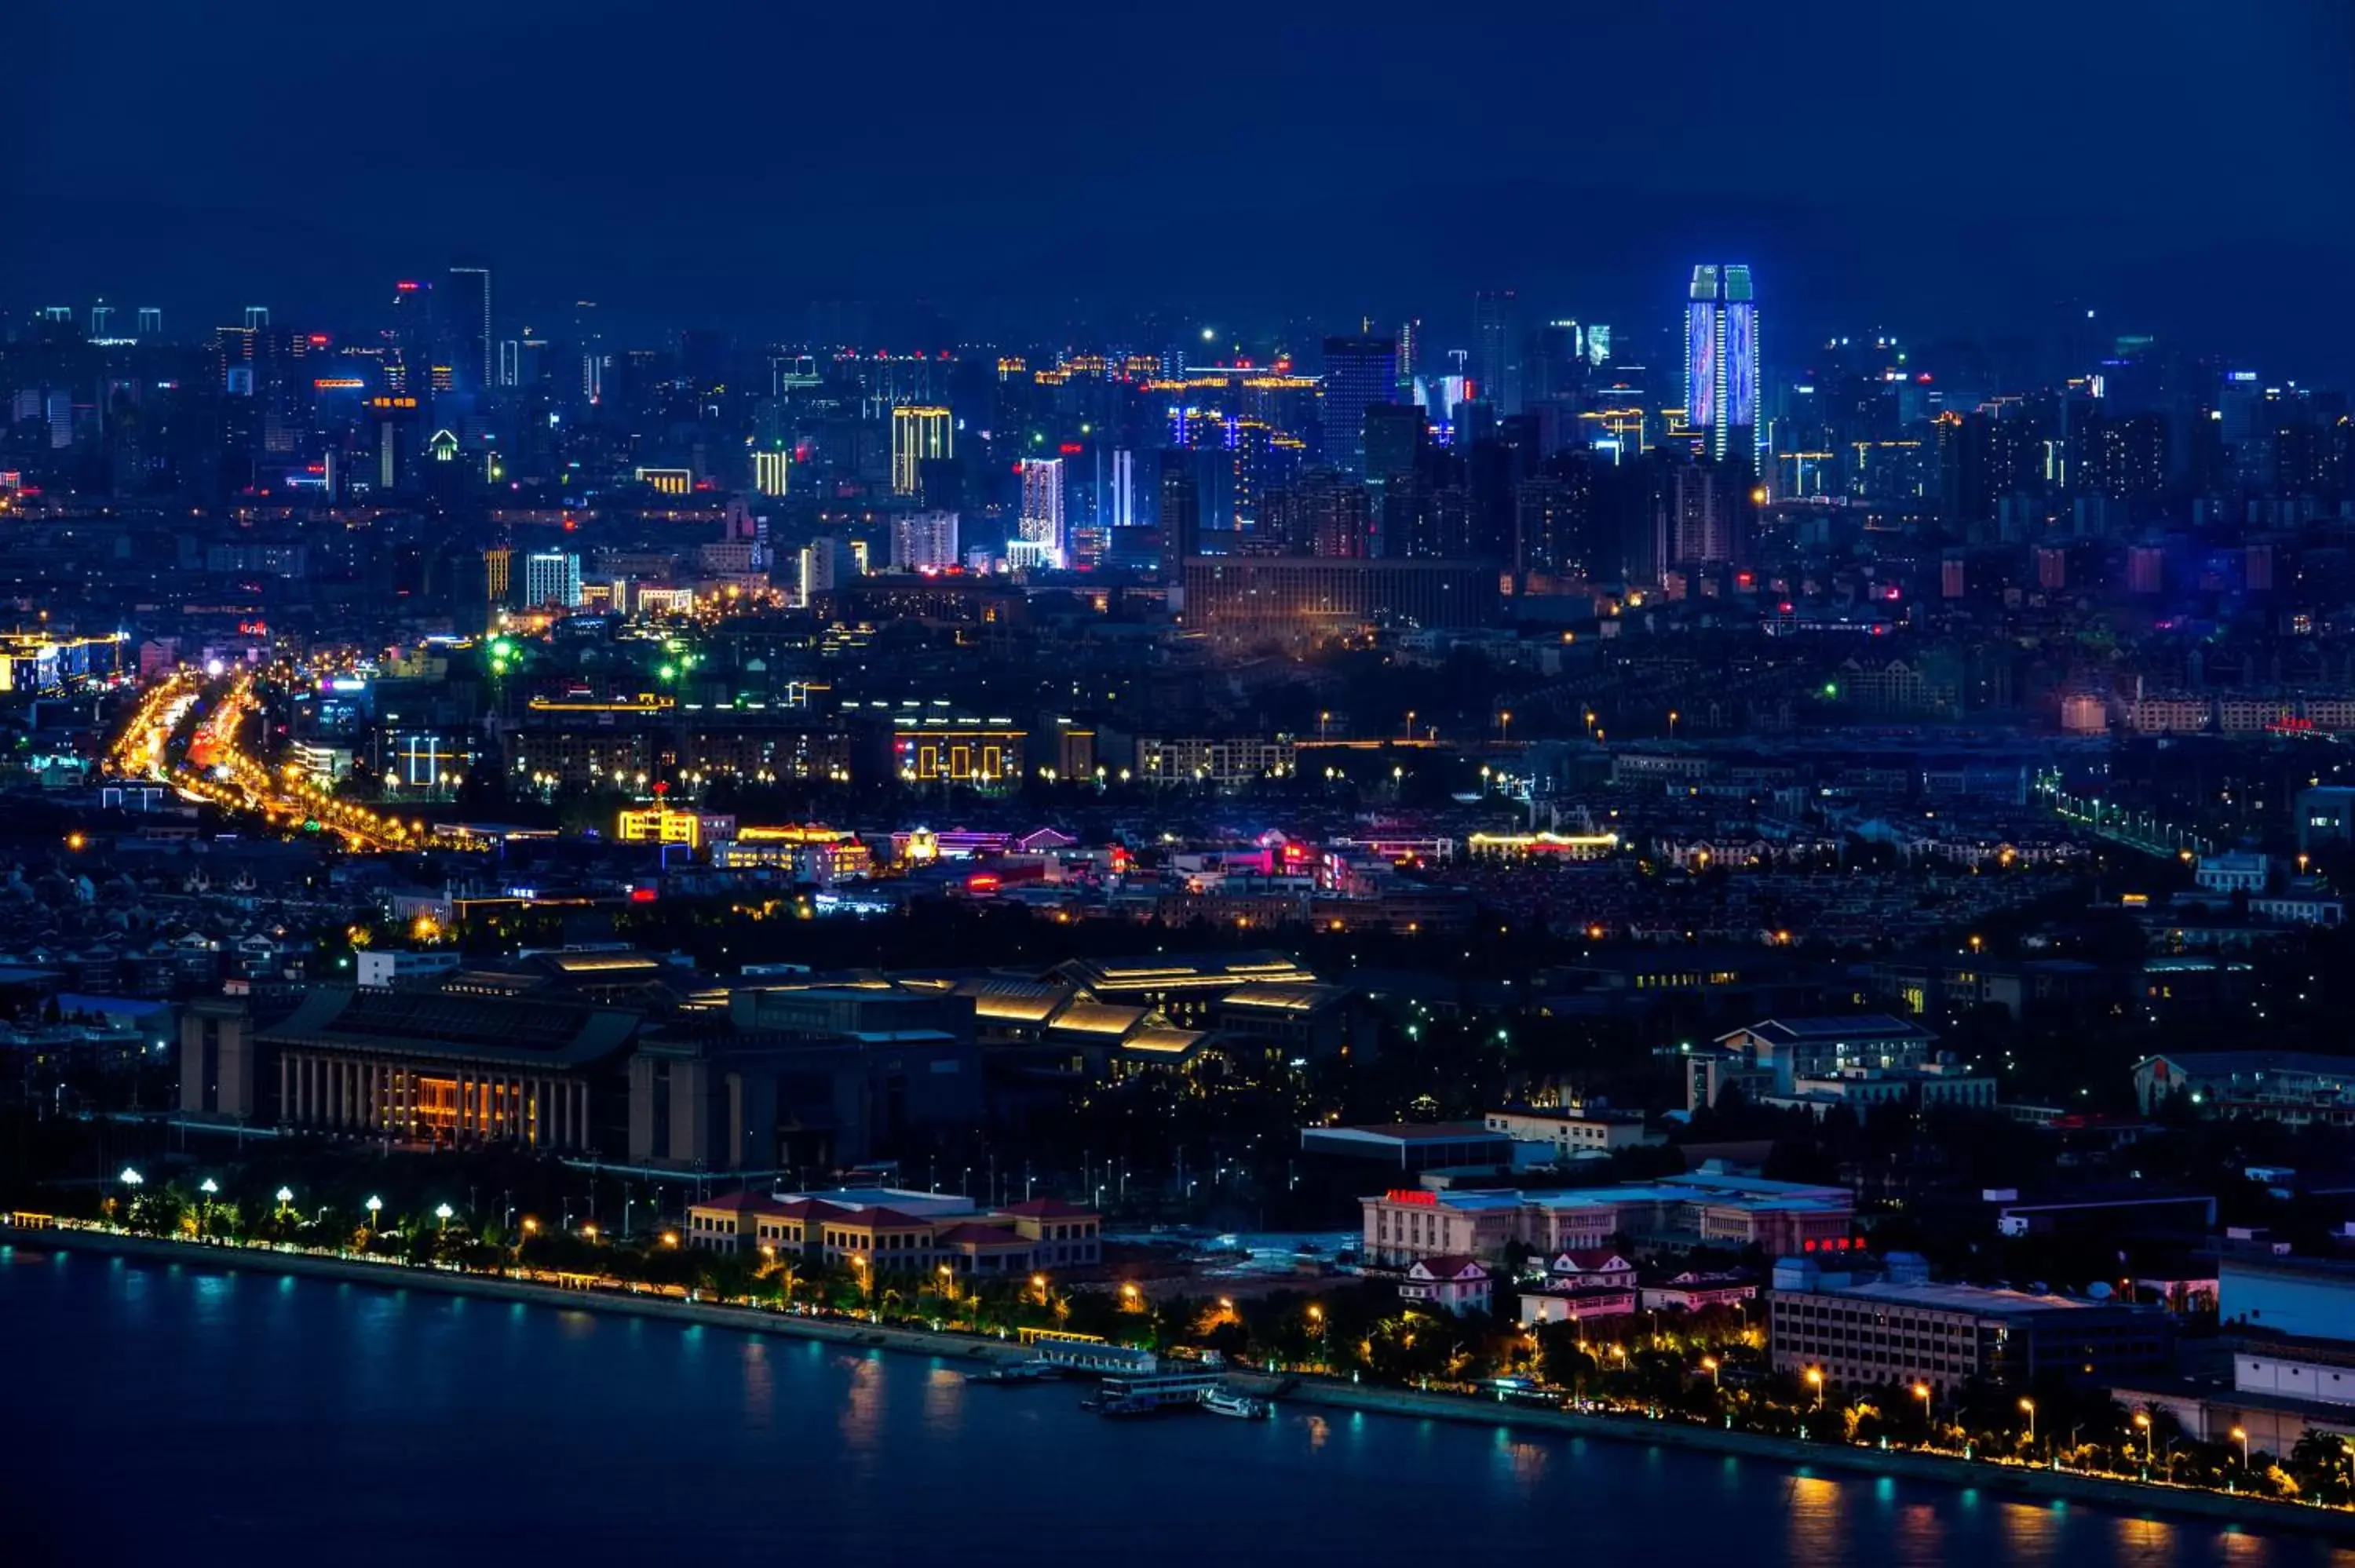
[1708, 1206]
[1899, 1328]
[1454, 1285]
[2300, 1087]
[1572, 1130]
[1413, 1148]
[890, 1232]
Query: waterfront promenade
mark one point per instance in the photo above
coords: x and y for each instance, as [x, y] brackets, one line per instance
[2125, 1497]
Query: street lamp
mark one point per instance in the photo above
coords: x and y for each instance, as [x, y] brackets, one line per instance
[285, 1196]
[1708, 1365]
[443, 1213]
[373, 1205]
[2142, 1419]
[1816, 1378]
[130, 1178]
[1921, 1393]
[2030, 1406]
[2241, 1435]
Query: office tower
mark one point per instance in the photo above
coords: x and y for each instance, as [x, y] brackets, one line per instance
[510, 362]
[588, 342]
[925, 541]
[1360, 373]
[772, 470]
[918, 434]
[1721, 362]
[256, 317]
[551, 577]
[1123, 489]
[467, 310]
[1038, 526]
[1395, 438]
[151, 320]
[1496, 348]
[102, 320]
[58, 314]
[1598, 343]
[1410, 340]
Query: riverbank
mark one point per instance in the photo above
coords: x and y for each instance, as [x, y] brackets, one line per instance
[2130, 1497]
[402, 1276]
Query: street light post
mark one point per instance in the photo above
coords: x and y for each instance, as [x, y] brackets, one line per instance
[1921, 1393]
[2030, 1406]
[2142, 1419]
[375, 1205]
[1708, 1365]
[2241, 1435]
[1816, 1379]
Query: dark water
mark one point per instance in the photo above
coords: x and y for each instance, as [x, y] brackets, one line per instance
[167, 1414]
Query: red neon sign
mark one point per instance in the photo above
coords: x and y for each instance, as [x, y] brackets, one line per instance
[1414, 1195]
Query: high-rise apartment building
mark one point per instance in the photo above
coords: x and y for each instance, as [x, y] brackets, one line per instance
[1038, 526]
[1497, 349]
[925, 541]
[1721, 362]
[1359, 372]
[919, 433]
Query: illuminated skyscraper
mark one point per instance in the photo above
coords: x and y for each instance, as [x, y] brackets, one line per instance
[772, 471]
[1124, 490]
[1497, 349]
[919, 433]
[467, 330]
[151, 320]
[1721, 361]
[551, 577]
[1359, 372]
[1039, 528]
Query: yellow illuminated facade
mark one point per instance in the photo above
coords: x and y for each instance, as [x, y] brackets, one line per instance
[919, 432]
[1569, 846]
[662, 824]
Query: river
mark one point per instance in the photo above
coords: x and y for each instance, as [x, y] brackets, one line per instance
[169, 1413]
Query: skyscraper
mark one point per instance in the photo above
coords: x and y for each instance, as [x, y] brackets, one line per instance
[919, 433]
[1123, 507]
[551, 577]
[1359, 372]
[1497, 349]
[1721, 362]
[467, 305]
[1039, 528]
[151, 320]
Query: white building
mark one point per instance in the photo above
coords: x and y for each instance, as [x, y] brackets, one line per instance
[1039, 528]
[924, 542]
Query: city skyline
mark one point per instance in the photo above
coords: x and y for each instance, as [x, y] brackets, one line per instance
[1968, 217]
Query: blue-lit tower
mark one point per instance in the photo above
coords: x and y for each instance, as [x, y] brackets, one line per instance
[1721, 361]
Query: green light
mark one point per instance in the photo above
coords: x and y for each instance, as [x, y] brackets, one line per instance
[668, 673]
[501, 648]
[1830, 689]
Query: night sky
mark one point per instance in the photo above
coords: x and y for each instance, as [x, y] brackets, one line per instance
[2184, 164]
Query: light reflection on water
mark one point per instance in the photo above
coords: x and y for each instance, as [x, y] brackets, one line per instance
[565, 1436]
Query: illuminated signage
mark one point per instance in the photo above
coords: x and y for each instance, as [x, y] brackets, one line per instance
[1413, 1195]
